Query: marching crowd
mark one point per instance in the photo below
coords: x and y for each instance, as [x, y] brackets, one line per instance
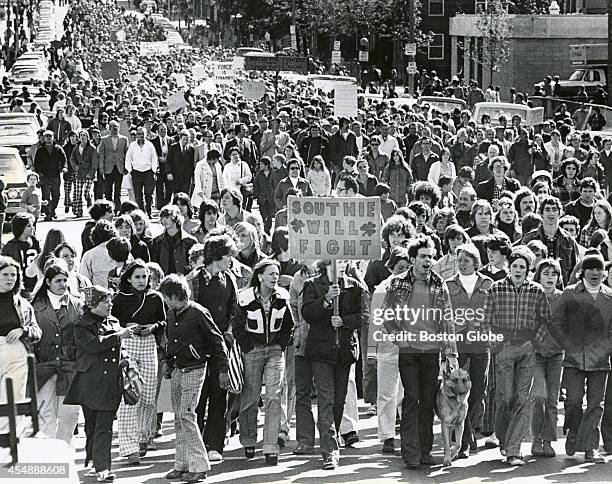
[501, 221]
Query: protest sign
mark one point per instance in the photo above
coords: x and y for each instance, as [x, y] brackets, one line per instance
[334, 228]
[176, 101]
[181, 81]
[253, 90]
[198, 71]
[224, 73]
[154, 48]
[133, 78]
[345, 99]
[110, 70]
[207, 86]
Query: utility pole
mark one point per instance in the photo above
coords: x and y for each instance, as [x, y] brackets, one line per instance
[609, 86]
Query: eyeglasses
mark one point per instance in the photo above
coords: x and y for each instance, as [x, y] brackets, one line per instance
[375, 144]
[292, 168]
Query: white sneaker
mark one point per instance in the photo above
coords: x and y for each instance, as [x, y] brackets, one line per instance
[214, 456]
[491, 442]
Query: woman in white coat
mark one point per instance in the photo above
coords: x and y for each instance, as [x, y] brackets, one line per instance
[206, 171]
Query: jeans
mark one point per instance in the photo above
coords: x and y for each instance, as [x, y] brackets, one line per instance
[584, 425]
[288, 390]
[260, 361]
[99, 436]
[606, 421]
[57, 421]
[513, 378]
[331, 382]
[50, 188]
[112, 187]
[304, 420]
[368, 369]
[419, 374]
[350, 414]
[479, 370]
[144, 180]
[545, 394]
[213, 431]
[13, 364]
[390, 389]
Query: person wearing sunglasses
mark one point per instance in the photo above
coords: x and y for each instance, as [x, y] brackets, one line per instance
[294, 180]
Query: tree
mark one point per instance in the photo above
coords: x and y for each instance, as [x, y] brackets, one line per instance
[493, 23]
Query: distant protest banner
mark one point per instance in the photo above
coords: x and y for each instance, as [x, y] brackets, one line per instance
[110, 70]
[345, 99]
[334, 228]
[253, 90]
[224, 73]
[154, 48]
[176, 101]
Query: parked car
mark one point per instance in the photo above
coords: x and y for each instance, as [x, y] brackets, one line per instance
[18, 130]
[13, 175]
[530, 116]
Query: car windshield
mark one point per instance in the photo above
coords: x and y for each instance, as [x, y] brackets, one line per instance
[495, 113]
[12, 169]
[445, 106]
[577, 75]
[15, 129]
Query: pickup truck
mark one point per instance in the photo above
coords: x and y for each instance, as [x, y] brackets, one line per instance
[589, 76]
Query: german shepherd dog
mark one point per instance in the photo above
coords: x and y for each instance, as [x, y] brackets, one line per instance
[452, 407]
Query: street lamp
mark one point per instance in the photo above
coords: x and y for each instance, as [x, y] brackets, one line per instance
[239, 29]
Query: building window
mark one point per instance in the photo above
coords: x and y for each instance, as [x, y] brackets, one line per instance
[481, 6]
[435, 49]
[436, 8]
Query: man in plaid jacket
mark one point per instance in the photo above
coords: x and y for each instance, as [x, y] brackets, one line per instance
[515, 311]
[415, 312]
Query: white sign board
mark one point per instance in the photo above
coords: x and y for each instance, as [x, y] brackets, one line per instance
[578, 55]
[199, 72]
[364, 56]
[253, 90]
[224, 73]
[208, 86]
[176, 101]
[121, 35]
[154, 48]
[336, 57]
[410, 49]
[181, 81]
[412, 68]
[334, 228]
[336, 45]
[345, 99]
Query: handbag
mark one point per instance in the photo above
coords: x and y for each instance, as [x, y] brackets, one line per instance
[247, 188]
[132, 382]
[236, 369]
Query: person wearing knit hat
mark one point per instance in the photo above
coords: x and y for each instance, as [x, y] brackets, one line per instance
[582, 322]
[514, 310]
[97, 384]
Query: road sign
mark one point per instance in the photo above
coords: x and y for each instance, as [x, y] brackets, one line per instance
[275, 63]
[412, 68]
[292, 29]
[410, 49]
[577, 55]
[336, 57]
[364, 56]
[336, 45]
[294, 41]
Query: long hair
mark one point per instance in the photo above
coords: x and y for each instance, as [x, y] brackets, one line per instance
[259, 269]
[124, 280]
[53, 268]
[6, 261]
[54, 238]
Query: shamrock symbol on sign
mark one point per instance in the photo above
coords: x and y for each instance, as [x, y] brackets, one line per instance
[368, 229]
[297, 226]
